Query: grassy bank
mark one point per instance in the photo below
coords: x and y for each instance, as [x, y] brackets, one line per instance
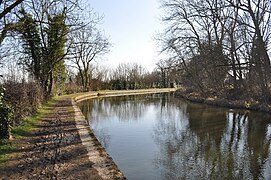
[5, 148]
[19, 132]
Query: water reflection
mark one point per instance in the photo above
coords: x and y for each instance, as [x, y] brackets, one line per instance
[123, 108]
[188, 141]
[211, 143]
[126, 108]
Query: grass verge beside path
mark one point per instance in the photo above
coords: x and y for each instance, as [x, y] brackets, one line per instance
[7, 146]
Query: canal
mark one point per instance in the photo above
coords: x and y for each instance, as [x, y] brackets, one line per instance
[162, 137]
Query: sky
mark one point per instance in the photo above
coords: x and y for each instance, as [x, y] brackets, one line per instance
[131, 26]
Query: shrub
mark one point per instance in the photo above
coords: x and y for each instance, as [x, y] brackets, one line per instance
[5, 117]
[35, 96]
[71, 88]
[25, 98]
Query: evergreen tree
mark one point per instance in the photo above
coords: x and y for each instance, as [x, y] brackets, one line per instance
[31, 44]
[57, 38]
[45, 61]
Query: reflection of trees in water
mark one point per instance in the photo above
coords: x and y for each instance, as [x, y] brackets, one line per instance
[208, 123]
[171, 132]
[197, 141]
[103, 136]
[245, 145]
[86, 107]
[258, 142]
[125, 108]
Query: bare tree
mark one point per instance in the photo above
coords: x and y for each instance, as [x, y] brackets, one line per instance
[88, 43]
[136, 76]
[195, 38]
[121, 76]
[164, 68]
[8, 22]
[220, 44]
[256, 16]
[6, 16]
[151, 80]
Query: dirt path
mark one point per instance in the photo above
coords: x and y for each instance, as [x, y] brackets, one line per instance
[53, 150]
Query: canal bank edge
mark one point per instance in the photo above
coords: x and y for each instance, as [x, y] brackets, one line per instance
[220, 102]
[90, 95]
[102, 162]
[97, 154]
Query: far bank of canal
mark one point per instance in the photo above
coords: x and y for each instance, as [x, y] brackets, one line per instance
[161, 137]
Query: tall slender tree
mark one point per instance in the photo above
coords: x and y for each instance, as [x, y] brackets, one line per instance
[32, 48]
[45, 63]
[55, 53]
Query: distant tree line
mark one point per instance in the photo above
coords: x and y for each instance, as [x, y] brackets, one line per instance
[125, 76]
[219, 47]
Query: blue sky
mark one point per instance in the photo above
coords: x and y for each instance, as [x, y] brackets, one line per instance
[131, 26]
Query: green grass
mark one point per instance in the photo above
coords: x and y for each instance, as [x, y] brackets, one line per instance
[28, 124]
[5, 148]
[22, 130]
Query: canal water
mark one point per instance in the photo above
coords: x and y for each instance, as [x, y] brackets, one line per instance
[161, 137]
